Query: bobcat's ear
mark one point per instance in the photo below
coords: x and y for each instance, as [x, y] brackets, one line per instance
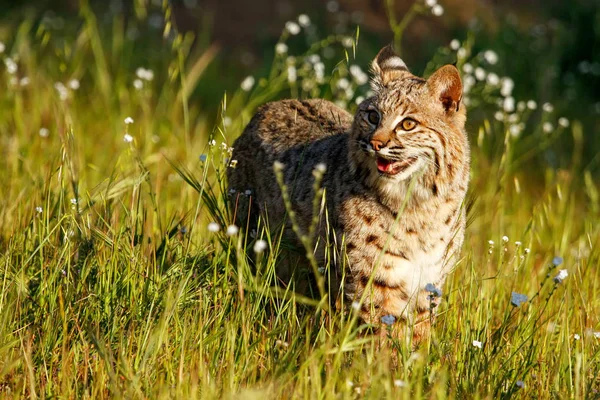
[446, 87]
[386, 67]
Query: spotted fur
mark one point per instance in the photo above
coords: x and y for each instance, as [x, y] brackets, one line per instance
[394, 197]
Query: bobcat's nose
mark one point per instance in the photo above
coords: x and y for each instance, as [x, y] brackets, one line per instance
[377, 144]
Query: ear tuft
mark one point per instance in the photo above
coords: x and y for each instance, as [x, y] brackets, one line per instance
[445, 85]
[387, 66]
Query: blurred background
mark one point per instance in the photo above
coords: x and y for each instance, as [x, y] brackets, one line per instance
[550, 51]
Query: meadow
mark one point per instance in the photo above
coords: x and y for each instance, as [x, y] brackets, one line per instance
[122, 276]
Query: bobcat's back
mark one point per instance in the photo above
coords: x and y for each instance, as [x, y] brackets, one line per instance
[294, 132]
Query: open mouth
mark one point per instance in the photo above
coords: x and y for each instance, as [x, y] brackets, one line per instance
[390, 167]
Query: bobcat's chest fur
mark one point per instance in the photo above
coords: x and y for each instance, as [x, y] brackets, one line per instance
[394, 256]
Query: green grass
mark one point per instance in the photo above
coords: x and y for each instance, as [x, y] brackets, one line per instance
[127, 294]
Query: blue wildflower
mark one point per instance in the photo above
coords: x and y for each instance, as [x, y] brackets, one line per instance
[556, 261]
[516, 299]
[388, 319]
[435, 292]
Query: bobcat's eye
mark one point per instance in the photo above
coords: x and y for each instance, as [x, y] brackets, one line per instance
[373, 117]
[408, 124]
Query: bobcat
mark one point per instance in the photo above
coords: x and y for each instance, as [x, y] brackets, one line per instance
[396, 177]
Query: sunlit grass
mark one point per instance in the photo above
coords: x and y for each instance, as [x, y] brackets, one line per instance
[112, 285]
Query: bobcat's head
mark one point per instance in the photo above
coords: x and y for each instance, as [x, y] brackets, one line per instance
[411, 128]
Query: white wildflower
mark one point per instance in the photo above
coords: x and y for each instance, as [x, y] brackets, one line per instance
[531, 104]
[291, 72]
[493, 79]
[74, 201]
[527, 250]
[292, 27]
[399, 383]
[303, 20]
[260, 246]
[232, 230]
[281, 48]
[44, 132]
[547, 107]
[359, 100]
[480, 73]
[343, 83]
[508, 104]
[467, 68]
[63, 93]
[454, 44]
[517, 243]
[212, 142]
[499, 116]
[515, 130]
[39, 209]
[561, 276]
[144, 74]
[128, 121]
[319, 71]
[315, 58]
[321, 167]
[11, 66]
[138, 84]
[491, 242]
[490, 56]
[247, 83]
[521, 106]
[358, 74]
[576, 336]
[468, 82]
[128, 138]
[521, 384]
[507, 86]
[478, 344]
[349, 92]
[24, 81]
[461, 53]
[597, 335]
[74, 84]
[430, 3]
[213, 227]
[233, 163]
[505, 239]
[347, 42]
[562, 121]
[437, 10]
[547, 127]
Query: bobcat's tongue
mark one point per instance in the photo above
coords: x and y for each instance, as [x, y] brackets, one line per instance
[384, 165]
[393, 167]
